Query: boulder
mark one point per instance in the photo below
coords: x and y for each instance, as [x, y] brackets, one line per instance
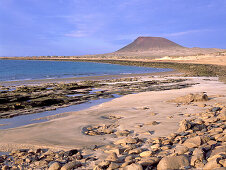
[216, 151]
[104, 164]
[55, 166]
[180, 149]
[222, 114]
[193, 142]
[213, 164]
[223, 162]
[146, 154]
[149, 161]
[122, 133]
[135, 151]
[198, 97]
[173, 162]
[113, 166]
[112, 157]
[184, 125]
[134, 167]
[197, 158]
[118, 151]
[127, 140]
[71, 165]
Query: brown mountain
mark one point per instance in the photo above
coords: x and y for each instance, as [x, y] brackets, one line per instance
[155, 47]
[150, 43]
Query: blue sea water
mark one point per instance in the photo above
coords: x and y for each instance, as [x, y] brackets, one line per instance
[35, 69]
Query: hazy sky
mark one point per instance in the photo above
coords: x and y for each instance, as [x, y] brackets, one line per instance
[77, 27]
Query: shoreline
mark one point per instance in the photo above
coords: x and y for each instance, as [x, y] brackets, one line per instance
[127, 129]
[85, 78]
[21, 98]
[156, 118]
[190, 68]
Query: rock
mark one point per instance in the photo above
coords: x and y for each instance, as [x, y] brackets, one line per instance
[173, 162]
[108, 131]
[223, 162]
[216, 151]
[134, 167]
[222, 114]
[118, 151]
[71, 165]
[129, 158]
[104, 164]
[1, 159]
[197, 158]
[146, 154]
[72, 152]
[5, 167]
[215, 109]
[155, 146]
[191, 98]
[193, 142]
[184, 125]
[148, 161]
[152, 123]
[97, 168]
[213, 164]
[122, 133]
[112, 157]
[55, 166]
[127, 140]
[78, 156]
[113, 166]
[135, 151]
[180, 149]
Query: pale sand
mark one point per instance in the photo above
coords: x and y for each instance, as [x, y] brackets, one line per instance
[203, 59]
[65, 132]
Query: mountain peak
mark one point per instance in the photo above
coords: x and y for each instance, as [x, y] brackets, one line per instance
[149, 43]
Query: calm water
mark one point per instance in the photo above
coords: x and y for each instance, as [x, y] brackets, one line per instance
[31, 69]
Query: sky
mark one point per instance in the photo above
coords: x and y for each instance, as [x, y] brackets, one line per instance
[80, 27]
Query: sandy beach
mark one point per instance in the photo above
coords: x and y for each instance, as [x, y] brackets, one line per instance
[144, 115]
[154, 117]
[67, 131]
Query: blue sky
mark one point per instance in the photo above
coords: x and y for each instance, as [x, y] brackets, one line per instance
[78, 27]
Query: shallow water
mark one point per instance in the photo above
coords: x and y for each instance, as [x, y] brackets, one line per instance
[29, 119]
[12, 70]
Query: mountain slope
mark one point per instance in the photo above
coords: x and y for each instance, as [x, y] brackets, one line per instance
[150, 43]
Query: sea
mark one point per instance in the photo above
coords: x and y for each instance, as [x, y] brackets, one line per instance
[13, 70]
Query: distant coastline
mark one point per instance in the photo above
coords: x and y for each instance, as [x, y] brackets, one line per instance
[190, 69]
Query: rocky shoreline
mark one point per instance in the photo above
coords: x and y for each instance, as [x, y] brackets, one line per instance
[199, 143]
[28, 99]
